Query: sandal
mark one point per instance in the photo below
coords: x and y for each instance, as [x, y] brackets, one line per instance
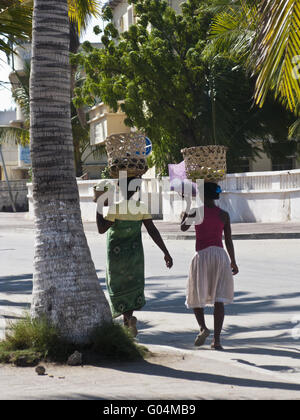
[216, 347]
[201, 338]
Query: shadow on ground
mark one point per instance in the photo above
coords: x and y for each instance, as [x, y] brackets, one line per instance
[172, 301]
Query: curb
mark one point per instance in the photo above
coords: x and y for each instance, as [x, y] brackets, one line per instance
[178, 236]
[236, 237]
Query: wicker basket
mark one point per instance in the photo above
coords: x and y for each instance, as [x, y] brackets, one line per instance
[205, 162]
[101, 188]
[126, 152]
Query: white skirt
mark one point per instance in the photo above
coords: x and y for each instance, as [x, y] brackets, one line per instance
[210, 279]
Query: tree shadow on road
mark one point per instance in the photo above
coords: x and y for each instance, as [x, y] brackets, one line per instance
[20, 284]
[152, 369]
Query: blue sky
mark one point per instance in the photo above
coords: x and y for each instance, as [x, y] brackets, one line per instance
[6, 101]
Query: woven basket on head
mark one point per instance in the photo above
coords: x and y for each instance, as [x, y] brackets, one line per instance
[205, 162]
[126, 152]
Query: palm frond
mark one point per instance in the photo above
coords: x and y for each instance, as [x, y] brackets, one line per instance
[276, 50]
[233, 30]
[15, 22]
[80, 11]
[294, 132]
[20, 92]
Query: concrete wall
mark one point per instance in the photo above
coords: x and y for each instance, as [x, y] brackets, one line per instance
[251, 197]
[19, 193]
[262, 197]
[262, 207]
[150, 191]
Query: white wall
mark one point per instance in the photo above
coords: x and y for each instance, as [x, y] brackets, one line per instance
[262, 197]
[250, 197]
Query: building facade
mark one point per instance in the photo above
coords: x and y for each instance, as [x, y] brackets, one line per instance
[18, 157]
[124, 16]
[15, 156]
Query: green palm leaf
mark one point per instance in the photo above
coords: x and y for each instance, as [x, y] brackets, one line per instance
[233, 30]
[15, 22]
[276, 51]
[80, 11]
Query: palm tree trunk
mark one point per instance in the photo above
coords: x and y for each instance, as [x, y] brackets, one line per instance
[65, 286]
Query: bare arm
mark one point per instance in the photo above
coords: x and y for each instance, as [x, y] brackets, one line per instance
[185, 215]
[229, 244]
[185, 226]
[102, 224]
[155, 235]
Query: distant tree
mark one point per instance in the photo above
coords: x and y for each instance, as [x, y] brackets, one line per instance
[170, 86]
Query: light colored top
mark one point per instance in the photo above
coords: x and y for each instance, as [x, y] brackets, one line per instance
[209, 232]
[130, 210]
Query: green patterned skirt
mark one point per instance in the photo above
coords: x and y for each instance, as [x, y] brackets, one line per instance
[125, 276]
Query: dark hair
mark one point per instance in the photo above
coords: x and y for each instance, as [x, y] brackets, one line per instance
[212, 190]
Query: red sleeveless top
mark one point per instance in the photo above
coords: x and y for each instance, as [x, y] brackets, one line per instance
[209, 232]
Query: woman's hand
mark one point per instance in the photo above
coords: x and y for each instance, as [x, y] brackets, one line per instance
[169, 261]
[188, 200]
[235, 268]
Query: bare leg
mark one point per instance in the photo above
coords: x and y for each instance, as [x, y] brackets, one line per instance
[126, 317]
[199, 314]
[204, 331]
[219, 315]
[130, 322]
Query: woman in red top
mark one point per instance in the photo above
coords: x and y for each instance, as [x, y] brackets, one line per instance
[210, 279]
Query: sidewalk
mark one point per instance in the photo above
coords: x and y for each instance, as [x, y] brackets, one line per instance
[260, 335]
[171, 231]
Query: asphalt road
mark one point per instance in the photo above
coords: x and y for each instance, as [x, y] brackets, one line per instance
[261, 332]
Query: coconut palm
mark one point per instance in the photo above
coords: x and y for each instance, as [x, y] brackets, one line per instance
[266, 34]
[276, 51]
[65, 285]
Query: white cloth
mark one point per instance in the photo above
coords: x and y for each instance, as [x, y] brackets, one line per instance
[210, 279]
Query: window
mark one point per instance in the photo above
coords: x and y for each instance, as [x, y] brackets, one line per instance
[282, 163]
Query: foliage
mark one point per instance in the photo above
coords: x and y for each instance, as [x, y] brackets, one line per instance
[36, 336]
[233, 29]
[276, 51]
[266, 35]
[115, 342]
[16, 19]
[15, 22]
[31, 340]
[80, 11]
[171, 83]
[105, 174]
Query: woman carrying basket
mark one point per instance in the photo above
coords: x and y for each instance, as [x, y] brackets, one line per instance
[125, 256]
[210, 279]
